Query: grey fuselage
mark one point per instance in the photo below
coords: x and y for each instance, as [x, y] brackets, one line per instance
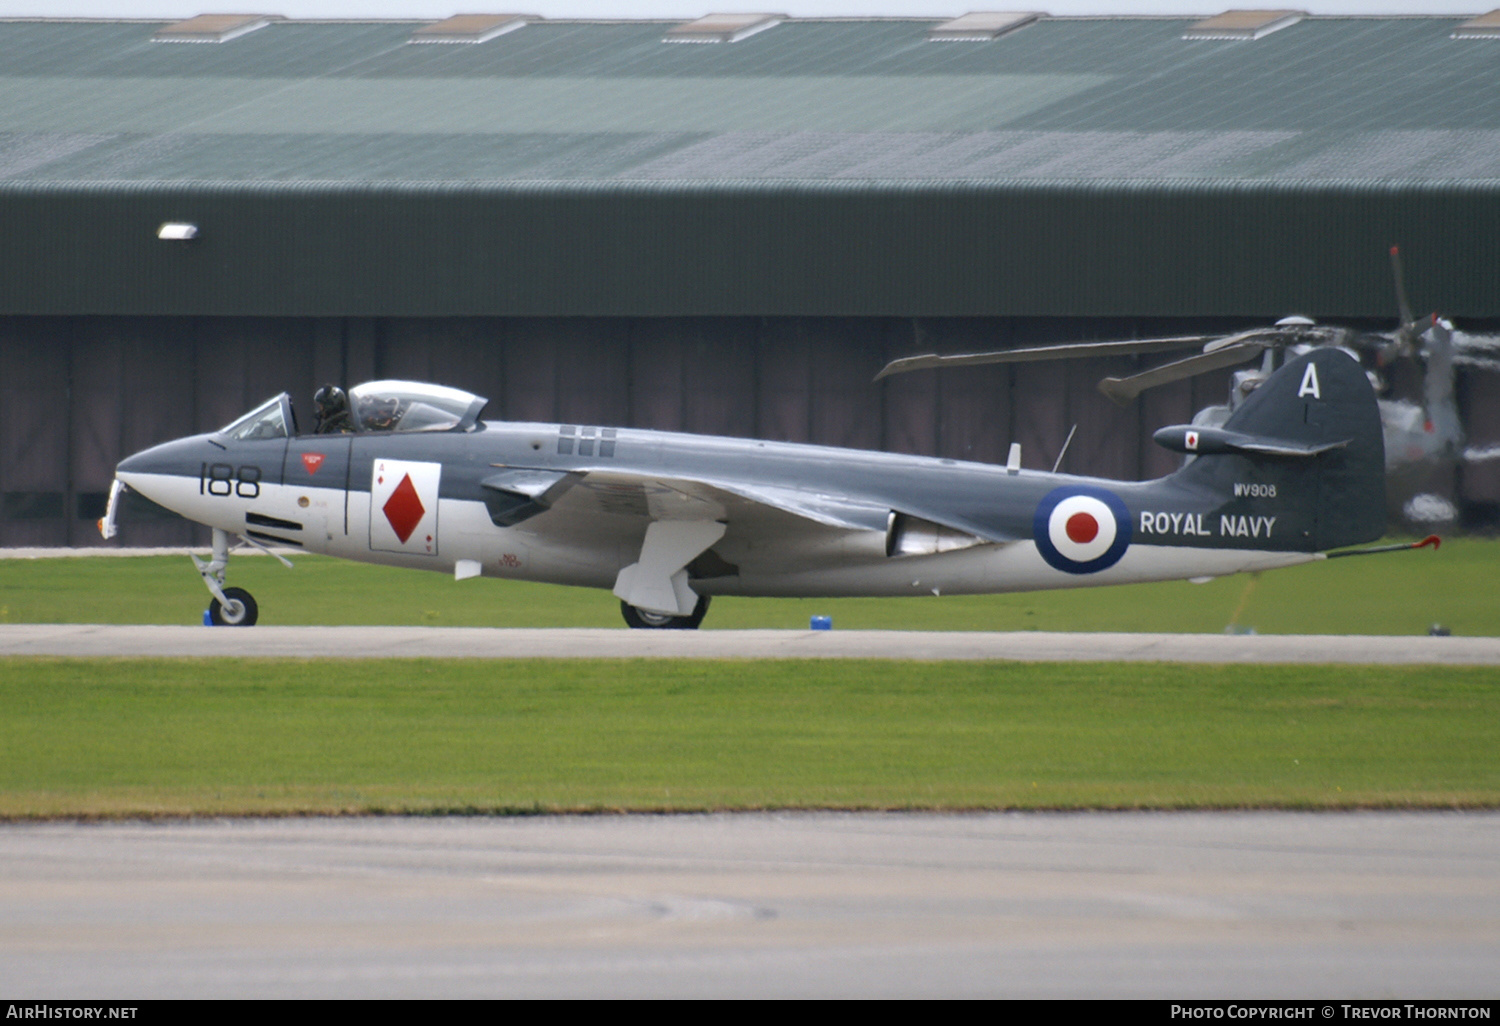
[799, 519]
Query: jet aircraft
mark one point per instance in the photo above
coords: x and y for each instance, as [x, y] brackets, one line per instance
[666, 520]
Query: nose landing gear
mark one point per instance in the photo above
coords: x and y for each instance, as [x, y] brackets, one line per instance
[231, 607]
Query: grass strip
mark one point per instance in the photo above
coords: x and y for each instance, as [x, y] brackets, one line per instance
[1394, 594]
[199, 737]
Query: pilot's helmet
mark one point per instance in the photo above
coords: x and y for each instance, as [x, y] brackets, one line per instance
[330, 400]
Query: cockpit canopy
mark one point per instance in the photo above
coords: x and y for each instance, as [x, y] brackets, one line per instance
[413, 406]
[375, 407]
[271, 419]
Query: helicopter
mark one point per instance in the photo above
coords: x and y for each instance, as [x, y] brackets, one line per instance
[1420, 437]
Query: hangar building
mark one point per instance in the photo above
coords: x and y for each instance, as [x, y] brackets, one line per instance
[725, 225]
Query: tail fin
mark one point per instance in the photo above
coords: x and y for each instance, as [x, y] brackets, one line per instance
[1306, 447]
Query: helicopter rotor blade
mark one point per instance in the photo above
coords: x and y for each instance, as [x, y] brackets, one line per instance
[1072, 350]
[1410, 328]
[1123, 390]
[1403, 307]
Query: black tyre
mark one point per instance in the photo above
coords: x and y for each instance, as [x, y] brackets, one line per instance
[661, 621]
[240, 612]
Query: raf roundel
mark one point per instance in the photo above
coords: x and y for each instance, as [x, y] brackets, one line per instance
[1081, 530]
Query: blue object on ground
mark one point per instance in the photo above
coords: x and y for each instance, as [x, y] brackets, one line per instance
[208, 620]
[821, 623]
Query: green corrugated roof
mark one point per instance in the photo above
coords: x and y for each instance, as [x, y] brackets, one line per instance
[1326, 100]
[1076, 166]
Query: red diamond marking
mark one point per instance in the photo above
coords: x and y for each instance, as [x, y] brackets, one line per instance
[1082, 528]
[404, 509]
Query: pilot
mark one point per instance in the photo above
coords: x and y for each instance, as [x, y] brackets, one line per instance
[377, 414]
[331, 407]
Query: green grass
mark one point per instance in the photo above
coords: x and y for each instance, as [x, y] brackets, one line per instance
[143, 737]
[1400, 593]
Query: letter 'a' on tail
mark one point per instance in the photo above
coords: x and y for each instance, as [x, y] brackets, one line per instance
[1311, 438]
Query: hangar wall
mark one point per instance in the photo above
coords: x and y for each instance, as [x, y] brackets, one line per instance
[77, 394]
[633, 249]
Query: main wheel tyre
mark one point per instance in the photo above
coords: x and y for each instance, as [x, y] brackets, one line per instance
[663, 621]
[241, 610]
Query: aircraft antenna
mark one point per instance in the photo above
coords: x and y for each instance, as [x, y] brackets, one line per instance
[1066, 442]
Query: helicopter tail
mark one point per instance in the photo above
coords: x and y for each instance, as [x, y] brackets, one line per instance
[1305, 448]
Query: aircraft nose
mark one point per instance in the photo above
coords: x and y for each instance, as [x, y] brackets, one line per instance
[138, 463]
[180, 458]
[147, 461]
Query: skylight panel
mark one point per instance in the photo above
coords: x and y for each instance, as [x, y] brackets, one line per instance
[213, 28]
[470, 28]
[722, 28]
[1486, 26]
[1244, 25]
[980, 26]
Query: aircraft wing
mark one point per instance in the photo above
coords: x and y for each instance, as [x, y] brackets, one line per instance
[660, 497]
[747, 505]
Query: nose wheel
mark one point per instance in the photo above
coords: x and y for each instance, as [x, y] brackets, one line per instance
[238, 609]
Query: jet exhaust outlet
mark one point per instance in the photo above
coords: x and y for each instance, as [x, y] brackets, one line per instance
[907, 535]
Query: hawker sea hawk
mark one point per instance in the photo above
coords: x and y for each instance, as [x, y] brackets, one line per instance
[406, 474]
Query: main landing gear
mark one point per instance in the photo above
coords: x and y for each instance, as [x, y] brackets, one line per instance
[231, 607]
[665, 621]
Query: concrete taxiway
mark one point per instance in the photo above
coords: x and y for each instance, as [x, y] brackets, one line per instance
[1160, 905]
[500, 643]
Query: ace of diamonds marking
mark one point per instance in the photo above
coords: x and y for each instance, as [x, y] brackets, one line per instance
[404, 506]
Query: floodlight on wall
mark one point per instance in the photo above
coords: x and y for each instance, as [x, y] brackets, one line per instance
[177, 231]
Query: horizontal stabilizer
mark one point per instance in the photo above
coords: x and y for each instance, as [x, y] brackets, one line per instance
[1212, 441]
